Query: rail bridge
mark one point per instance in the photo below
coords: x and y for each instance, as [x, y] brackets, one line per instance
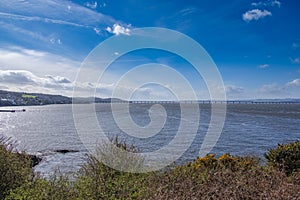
[200, 102]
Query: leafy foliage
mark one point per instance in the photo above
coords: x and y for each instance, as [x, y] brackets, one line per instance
[15, 168]
[57, 187]
[98, 181]
[208, 177]
[286, 157]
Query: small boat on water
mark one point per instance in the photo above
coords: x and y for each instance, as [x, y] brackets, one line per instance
[14, 110]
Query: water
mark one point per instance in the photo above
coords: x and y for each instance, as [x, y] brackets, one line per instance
[249, 129]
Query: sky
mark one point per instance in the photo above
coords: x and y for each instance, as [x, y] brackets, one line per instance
[254, 43]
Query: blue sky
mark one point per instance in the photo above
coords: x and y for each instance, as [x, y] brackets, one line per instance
[254, 43]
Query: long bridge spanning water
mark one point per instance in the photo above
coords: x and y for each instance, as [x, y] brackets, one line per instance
[202, 102]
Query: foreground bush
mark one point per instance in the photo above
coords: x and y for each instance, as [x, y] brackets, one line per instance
[94, 181]
[209, 177]
[226, 177]
[57, 187]
[15, 168]
[286, 157]
[98, 181]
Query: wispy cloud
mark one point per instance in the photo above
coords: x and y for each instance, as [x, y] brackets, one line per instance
[287, 90]
[255, 14]
[27, 32]
[273, 90]
[276, 3]
[295, 60]
[92, 5]
[233, 89]
[39, 19]
[294, 83]
[263, 66]
[267, 3]
[97, 31]
[188, 11]
[53, 12]
[54, 40]
[295, 45]
[117, 29]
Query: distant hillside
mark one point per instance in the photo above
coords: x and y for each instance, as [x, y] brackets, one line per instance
[8, 98]
[22, 99]
[292, 100]
[95, 100]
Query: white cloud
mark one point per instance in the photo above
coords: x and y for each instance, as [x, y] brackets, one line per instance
[294, 83]
[118, 29]
[55, 41]
[26, 81]
[97, 31]
[273, 91]
[255, 14]
[235, 92]
[23, 78]
[92, 5]
[295, 60]
[38, 62]
[257, 4]
[288, 90]
[17, 77]
[58, 79]
[29, 70]
[59, 41]
[267, 3]
[276, 3]
[232, 89]
[263, 66]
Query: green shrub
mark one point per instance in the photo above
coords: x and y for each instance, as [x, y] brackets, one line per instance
[95, 180]
[15, 168]
[119, 155]
[286, 157]
[57, 187]
[226, 177]
[98, 181]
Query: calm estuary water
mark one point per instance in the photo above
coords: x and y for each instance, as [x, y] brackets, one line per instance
[249, 129]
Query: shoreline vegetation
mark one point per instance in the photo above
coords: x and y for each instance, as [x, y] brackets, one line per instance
[209, 177]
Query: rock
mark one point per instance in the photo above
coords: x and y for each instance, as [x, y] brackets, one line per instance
[35, 160]
[66, 151]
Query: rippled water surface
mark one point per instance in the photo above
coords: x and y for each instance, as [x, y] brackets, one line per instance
[249, 129]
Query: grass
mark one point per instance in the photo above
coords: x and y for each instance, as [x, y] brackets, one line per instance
[209, 177]
[28, 96]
